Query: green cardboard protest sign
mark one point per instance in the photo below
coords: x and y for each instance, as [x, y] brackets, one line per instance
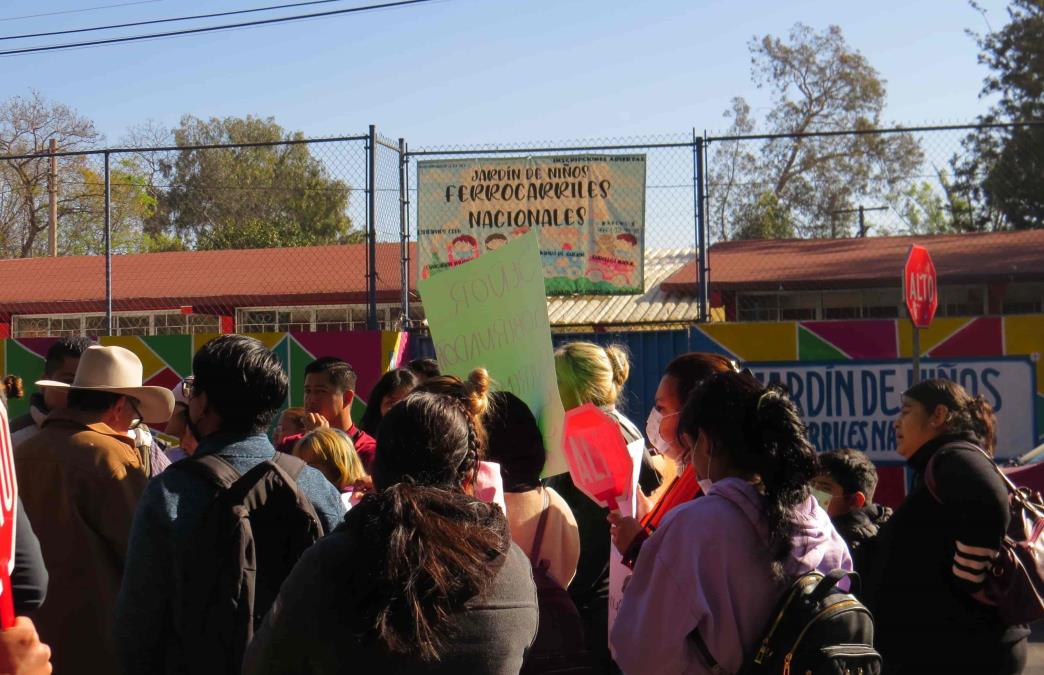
[491, 312]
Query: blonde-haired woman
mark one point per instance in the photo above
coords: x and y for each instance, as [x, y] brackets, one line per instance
[590, 373]
[331, 452]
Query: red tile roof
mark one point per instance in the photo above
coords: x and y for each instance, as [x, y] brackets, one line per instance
[240, 278]
[865, 262]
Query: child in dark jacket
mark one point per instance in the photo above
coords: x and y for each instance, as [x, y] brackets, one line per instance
[845, 489]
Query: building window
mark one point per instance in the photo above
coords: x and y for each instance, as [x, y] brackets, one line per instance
[319, 318]
[30, 327]
[843, 305]
[759, 307]
[93, 325]
[798, 306]
[962, 301]
[185, 324]
[1023, 299]
[132, 325]
[882, 304]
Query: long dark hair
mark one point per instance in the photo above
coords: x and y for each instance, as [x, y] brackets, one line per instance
[435, 543]
[389, 382]
[966, 416]
[757, 431]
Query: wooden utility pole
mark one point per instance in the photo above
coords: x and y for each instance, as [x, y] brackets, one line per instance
[52, 193]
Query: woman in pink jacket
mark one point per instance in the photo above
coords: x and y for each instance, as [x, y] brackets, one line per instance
[716, 566]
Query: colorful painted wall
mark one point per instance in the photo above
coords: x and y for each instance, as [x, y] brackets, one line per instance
[878, 340]
[167, 359]
[947, 338]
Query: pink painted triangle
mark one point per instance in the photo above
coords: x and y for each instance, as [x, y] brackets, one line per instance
[165, 378]
[980, 337]
[38, 346]
[362, 349]
[858, 339]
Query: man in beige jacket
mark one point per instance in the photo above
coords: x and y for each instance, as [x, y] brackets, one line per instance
[80, 479]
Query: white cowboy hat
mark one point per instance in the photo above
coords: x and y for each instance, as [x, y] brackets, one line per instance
[119, 370]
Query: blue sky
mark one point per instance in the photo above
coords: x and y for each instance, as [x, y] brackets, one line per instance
[473, 71]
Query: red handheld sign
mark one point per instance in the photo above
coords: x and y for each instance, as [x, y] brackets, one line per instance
[597, 455]
[8, 499]
[919, 287]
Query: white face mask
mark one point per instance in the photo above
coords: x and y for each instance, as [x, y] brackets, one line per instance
[705, 482]
[652, 430]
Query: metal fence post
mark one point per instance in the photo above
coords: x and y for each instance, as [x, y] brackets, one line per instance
[701, 226]
[404, 236]
[371, 229]
[108, 248]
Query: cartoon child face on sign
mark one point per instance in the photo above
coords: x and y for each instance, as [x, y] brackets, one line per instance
[495, 241]
[626, 244]
[464, 247]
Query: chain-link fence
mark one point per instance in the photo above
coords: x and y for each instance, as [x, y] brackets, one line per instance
[852, 199]
[268, 236]
[321, 234]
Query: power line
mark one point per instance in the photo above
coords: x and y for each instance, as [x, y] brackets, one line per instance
[168, 20]
[79, 11]
[210, 29]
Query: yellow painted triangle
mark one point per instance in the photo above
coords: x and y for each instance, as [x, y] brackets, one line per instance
[269, 340]
[756, 341]
[932, 336]
[1024, 336]
[151, 363]
[200, 339]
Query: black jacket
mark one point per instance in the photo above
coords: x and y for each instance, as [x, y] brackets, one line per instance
[918, 585]
[29, 578]
[859, 528]
[322, 622]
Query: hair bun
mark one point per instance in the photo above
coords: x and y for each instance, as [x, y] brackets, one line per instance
[620, 364]
[478, 385]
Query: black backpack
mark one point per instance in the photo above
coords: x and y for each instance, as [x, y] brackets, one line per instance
[815, 629]
[559, 647]
[249, 539]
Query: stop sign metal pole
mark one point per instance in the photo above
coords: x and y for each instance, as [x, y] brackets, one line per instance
[916, 352]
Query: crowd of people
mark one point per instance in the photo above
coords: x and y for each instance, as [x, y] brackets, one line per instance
[424, 539]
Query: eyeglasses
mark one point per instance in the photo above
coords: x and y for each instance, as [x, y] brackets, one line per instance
[136, 420]
[188, 386]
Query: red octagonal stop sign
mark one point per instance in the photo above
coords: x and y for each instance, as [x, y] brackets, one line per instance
[919, 287]
[594, 447]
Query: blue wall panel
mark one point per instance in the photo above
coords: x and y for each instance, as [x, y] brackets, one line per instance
[649, 351]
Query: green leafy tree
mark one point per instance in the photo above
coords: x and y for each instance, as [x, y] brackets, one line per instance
[131, 205]
[766, 218]
[1001, 169]
[247, 197]
[817, 82]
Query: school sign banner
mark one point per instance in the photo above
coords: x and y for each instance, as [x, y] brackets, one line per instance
[853, 404]
[589, 211]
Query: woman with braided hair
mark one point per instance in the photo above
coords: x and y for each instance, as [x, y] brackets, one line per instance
[421, 577]
[716, 566]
